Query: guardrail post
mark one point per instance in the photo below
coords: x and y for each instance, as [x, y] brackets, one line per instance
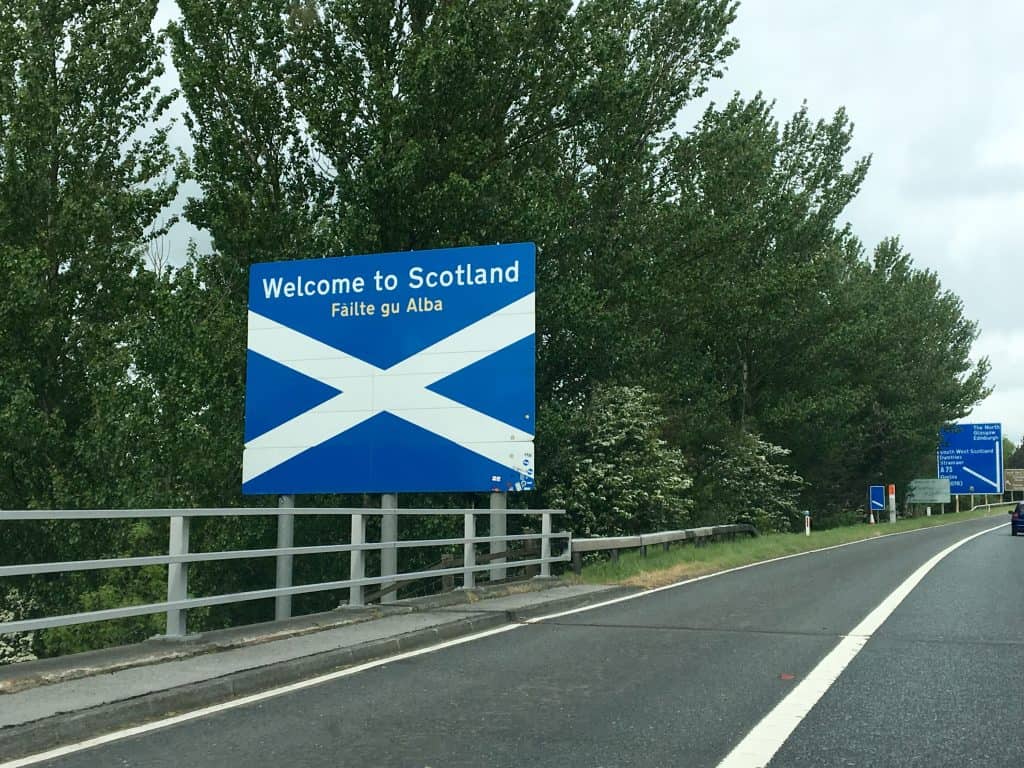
[356, 562]
[177, 577]
[388, 533]
[468, 550]
[545, 546]
[285, 538]
[499, 503]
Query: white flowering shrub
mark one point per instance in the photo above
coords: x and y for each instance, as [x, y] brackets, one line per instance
[748, 481]
[18, 646]
[613, 473]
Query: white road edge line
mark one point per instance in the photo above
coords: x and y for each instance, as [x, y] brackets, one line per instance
[766, 738]
[252, 699]
[319, 680]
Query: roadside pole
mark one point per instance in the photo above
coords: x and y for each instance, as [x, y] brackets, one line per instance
[285, 539]
[499, 503]
[388, 555]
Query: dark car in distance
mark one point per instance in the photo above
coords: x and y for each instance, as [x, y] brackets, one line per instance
[1017, 519]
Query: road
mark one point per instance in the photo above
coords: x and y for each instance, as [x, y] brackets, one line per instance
[676, 678]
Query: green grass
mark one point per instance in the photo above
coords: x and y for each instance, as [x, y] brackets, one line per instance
[687, 561]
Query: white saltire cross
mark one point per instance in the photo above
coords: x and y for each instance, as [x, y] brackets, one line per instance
[367, 390]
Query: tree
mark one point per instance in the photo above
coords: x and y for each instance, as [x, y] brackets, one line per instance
[890, 366]
[1016, 459]
[84, 173]
[81, 184]
[327, 127]
[753, 221]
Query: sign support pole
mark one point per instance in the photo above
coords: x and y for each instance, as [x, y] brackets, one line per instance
[499, 503]
[388, 533]
[285, 538]
[356, 562]
[177, 577]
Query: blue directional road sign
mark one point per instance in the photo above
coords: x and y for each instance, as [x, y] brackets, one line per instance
[970, 456]
[876, 497]
[395, 372]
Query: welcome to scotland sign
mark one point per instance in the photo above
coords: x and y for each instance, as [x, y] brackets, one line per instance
[395, 372]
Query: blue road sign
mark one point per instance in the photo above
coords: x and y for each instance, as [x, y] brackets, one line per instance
[970, 456]
[395, 372]
[876, 496]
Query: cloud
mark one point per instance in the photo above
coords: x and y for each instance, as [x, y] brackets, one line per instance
[1005, 406]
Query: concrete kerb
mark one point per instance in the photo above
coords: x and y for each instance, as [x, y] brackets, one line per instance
[64, 728]
[157, 650]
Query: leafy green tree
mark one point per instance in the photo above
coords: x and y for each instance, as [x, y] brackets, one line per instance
[1008, 448]
[753, 216]
[1016, 458]
[354, 126]
[890, 365]
[83, 175]
[85, 171]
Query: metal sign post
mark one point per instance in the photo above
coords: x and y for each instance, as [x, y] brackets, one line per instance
[285, 539]
[499, 501]
[388, 555]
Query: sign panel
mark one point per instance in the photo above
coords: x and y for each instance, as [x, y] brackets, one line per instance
[876, 497]
[928, 491]
[1013, 479]
[395, 372]
[970, 456]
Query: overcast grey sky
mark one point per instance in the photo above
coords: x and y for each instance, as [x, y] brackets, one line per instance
[933, 87]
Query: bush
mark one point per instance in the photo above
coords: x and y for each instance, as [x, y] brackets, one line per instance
[18, 646]
[746, 481]
[614, 474]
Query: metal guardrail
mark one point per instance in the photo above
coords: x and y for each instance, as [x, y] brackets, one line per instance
[178, 557]
[644, 540]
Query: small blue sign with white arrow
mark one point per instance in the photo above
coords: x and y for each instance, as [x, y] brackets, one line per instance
[876, 497]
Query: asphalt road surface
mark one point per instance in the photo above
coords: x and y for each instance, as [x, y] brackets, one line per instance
[676, 678]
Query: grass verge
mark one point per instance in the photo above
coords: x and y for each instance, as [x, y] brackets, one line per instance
[686, 561]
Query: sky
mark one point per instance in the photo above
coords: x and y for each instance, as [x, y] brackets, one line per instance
[932, 89]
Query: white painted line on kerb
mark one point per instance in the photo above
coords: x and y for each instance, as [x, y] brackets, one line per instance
[767, 737]
[321, 679]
